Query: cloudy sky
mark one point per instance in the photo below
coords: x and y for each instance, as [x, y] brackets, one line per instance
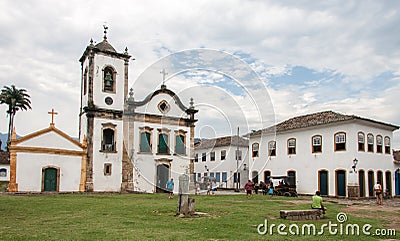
[308, 56]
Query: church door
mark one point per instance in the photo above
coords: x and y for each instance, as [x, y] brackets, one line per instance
[397, 182]
[50, 180]
[323, 182]
[341, 183]
[361, 182]
[370, 183]
[162, 178]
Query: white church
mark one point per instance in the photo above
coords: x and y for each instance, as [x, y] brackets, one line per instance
[124, 144]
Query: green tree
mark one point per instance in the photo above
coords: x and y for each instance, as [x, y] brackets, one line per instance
[16, 99]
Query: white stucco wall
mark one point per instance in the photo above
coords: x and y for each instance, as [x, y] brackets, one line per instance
[307, 164]
[229, 165]
[152, 106]
[29, 171]
[103, 182]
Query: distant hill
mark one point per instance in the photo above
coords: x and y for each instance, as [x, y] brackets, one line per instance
[3, 138]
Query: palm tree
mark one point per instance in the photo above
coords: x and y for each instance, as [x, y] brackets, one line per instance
[16, 99]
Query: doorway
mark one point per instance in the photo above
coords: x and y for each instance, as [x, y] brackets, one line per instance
[341, 183]
[162, 178]
[323, 182]
[50, 179]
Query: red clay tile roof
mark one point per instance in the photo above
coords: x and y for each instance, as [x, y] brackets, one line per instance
[315, 119]
[221, 141]
[4, 157]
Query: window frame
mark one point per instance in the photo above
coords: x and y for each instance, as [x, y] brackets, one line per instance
[179, 134]
[370, 146]
[272, 149]
[113, 78]
[314, 146]
[361, 143]
[107, 169]
[388, 149]
[212, 156]
[105, 147]
[163, 131]
[339, 143]
[255, 153]
[291, 149]
[379, 144]
[223, 155]
[146, 130]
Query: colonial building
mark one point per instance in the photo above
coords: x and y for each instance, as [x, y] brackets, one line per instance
[223, 158]
[47, 160]
[340, 155]
[132, 145]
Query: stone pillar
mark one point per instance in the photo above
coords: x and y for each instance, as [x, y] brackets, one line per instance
[185, 204]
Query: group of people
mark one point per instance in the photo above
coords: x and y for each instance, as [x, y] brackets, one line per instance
[264, 187]
[211, 188]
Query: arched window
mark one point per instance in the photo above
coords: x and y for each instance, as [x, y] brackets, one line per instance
[316, 144]
[180, 138]
[109, 79]
[145, 139]
[272, 148]
[255, 148]
[108, 143]
[370, 142]
[85, 77]
[340, 141]
[291, 145]
[387, 145]
[361, 141]
[379, 144]
[163, 141]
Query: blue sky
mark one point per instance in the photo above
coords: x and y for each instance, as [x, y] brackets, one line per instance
[309, 56]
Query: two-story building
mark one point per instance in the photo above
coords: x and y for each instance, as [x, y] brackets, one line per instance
[224, 158]
[340, 155]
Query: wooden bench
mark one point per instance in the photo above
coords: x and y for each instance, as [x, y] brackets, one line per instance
[309, 214]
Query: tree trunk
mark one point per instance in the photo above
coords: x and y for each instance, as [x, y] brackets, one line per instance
[10, 128]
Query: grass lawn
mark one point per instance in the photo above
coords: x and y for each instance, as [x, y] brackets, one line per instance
[151, 217]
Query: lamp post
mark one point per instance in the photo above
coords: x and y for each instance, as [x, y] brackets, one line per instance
[355, 161]
[237, 162]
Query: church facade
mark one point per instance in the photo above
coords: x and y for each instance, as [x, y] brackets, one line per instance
[132, 145]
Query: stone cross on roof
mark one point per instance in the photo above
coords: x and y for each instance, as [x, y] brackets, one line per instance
[164, 74]
[52, 116]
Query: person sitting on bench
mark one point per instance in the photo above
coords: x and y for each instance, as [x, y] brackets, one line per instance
[317, 202]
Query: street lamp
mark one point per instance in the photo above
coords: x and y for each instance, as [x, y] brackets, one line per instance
[237, 162]
[355, 161]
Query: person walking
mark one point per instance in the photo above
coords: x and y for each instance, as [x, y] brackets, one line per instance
[378, 193]
[170, 188]
[249, 188]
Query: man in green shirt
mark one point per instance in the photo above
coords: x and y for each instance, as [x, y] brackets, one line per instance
[317, 202]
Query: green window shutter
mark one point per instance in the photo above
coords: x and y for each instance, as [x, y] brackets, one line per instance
[180, 146]
[145, 142]
[163, 143]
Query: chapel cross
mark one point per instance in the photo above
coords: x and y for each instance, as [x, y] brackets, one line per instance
[164, 74]
[52, 115]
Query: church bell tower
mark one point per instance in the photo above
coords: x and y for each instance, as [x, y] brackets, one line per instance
[104, 88]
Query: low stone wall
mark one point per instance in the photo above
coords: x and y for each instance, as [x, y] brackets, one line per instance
[311, 214]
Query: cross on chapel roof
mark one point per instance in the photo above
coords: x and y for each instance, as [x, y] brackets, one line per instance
[52, 116]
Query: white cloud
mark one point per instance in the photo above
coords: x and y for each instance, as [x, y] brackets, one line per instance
[43, 40]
